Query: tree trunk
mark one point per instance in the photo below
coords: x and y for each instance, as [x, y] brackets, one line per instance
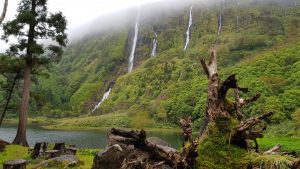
[4, 11]
[21, 133]
[9, 98]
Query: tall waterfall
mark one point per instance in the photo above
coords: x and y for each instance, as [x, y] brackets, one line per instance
[136, 32]
[223, 5]
[220, 23]
[237, 23]
[155, 44]
[188, 30]
[237, 17]
[104, 97]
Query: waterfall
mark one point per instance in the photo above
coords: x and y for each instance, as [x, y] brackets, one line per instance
[237, 23]
[219, 23]
[105, 97]
[223, 5]
[155, 44]
[237, 17]
[188, 30]
[136, 31]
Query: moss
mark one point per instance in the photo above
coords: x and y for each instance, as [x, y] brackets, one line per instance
[13, 152]
[216, 151]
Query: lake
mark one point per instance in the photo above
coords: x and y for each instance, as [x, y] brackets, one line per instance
[81, 138]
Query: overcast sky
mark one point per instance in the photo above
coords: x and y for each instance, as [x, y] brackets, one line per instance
[78, 12]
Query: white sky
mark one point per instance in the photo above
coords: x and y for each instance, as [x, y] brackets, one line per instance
[77, 12]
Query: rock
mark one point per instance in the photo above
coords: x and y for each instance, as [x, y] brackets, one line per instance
[111, 158]
[65, 160]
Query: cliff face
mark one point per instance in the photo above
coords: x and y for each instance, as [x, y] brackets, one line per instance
[171, 84]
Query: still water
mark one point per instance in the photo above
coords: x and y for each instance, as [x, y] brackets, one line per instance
[82, 139]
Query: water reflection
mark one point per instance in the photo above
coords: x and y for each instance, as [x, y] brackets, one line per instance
[82, 139]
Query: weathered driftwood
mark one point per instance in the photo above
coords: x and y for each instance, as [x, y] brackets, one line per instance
[275, 150]
[132, 149]
[218, 105]
[15, 164]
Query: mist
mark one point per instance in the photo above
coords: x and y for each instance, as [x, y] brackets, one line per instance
[85, 19]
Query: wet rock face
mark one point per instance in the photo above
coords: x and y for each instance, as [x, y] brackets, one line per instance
[111, 158]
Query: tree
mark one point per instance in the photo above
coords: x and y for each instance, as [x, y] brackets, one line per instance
[33, 23]
[11, 69]
[4, 11]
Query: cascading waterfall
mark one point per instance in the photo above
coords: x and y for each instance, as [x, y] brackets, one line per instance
[220, 23]
[188, 30]
[104, 97]
[223, 5]
[237, 17]
[136, 32]
[237, 23]
[155, 44]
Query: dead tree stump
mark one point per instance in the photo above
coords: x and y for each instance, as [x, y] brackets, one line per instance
[218, 105]
[14, 164]
[39, 149]
[61, 147]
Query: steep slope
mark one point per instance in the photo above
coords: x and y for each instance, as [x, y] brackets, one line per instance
[171, 84]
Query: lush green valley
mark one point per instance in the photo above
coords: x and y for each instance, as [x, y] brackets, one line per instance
[264, 53]
[254, 43]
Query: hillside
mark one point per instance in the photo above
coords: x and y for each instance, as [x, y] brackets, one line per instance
[258, 41]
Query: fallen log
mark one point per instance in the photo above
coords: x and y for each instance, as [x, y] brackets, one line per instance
[275, 150]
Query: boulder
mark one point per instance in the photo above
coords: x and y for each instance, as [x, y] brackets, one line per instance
[111, 158]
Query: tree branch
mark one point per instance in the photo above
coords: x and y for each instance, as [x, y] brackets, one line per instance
[4, 11]
[247, 124]
[210, 68]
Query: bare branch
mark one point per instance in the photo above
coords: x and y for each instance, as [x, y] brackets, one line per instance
[210, 68]
[247, 124]
[4, 11]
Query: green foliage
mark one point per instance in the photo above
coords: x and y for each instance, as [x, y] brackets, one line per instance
[264, 53]
[141, 120]
[216, 151]
[13, 152]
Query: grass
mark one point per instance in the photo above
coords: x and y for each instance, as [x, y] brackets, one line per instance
[104, 122]
[288, 143]
[13, 152]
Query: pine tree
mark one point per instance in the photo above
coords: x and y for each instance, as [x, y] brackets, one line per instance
[33, 23]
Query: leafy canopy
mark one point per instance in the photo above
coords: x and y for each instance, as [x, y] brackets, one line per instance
[32, 24]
